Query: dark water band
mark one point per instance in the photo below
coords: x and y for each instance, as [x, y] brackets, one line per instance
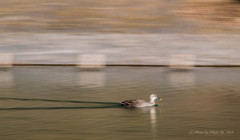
[101, 104]
[60, 107]
[53, 100]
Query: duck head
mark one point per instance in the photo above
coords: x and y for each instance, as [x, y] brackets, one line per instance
[154, 97]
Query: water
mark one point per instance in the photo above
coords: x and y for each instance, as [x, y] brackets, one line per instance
[69, 103]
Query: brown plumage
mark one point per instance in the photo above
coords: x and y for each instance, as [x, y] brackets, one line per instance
[132, 103]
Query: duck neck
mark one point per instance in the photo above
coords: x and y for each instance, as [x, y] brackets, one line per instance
[152, 101]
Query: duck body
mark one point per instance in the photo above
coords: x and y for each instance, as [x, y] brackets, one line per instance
[141, 103]
[137, 103]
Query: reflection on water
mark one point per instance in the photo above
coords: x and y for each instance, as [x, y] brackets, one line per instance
[181, 79]
[153, 117]
[51, 103]
[92, 79]
[6, 78]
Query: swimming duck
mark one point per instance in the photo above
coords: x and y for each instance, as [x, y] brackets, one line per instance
[141, 103]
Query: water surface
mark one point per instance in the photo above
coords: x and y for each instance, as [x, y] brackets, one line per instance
[69, 103]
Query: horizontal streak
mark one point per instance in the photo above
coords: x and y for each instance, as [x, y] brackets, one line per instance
[121, 65]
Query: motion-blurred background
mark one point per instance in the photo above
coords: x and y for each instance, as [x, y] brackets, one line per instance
[43, 95]
[139, 32]
[120, 16]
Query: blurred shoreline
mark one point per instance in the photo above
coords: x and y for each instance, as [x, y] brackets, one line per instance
[121, 49]
[120, 32]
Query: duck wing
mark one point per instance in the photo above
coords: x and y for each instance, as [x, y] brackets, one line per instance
[132, 103]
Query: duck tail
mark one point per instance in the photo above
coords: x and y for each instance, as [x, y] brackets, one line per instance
[123, 103]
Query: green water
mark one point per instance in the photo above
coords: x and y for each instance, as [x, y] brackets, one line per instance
[69, 103]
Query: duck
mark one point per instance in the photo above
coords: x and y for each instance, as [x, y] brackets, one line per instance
[141, 103]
